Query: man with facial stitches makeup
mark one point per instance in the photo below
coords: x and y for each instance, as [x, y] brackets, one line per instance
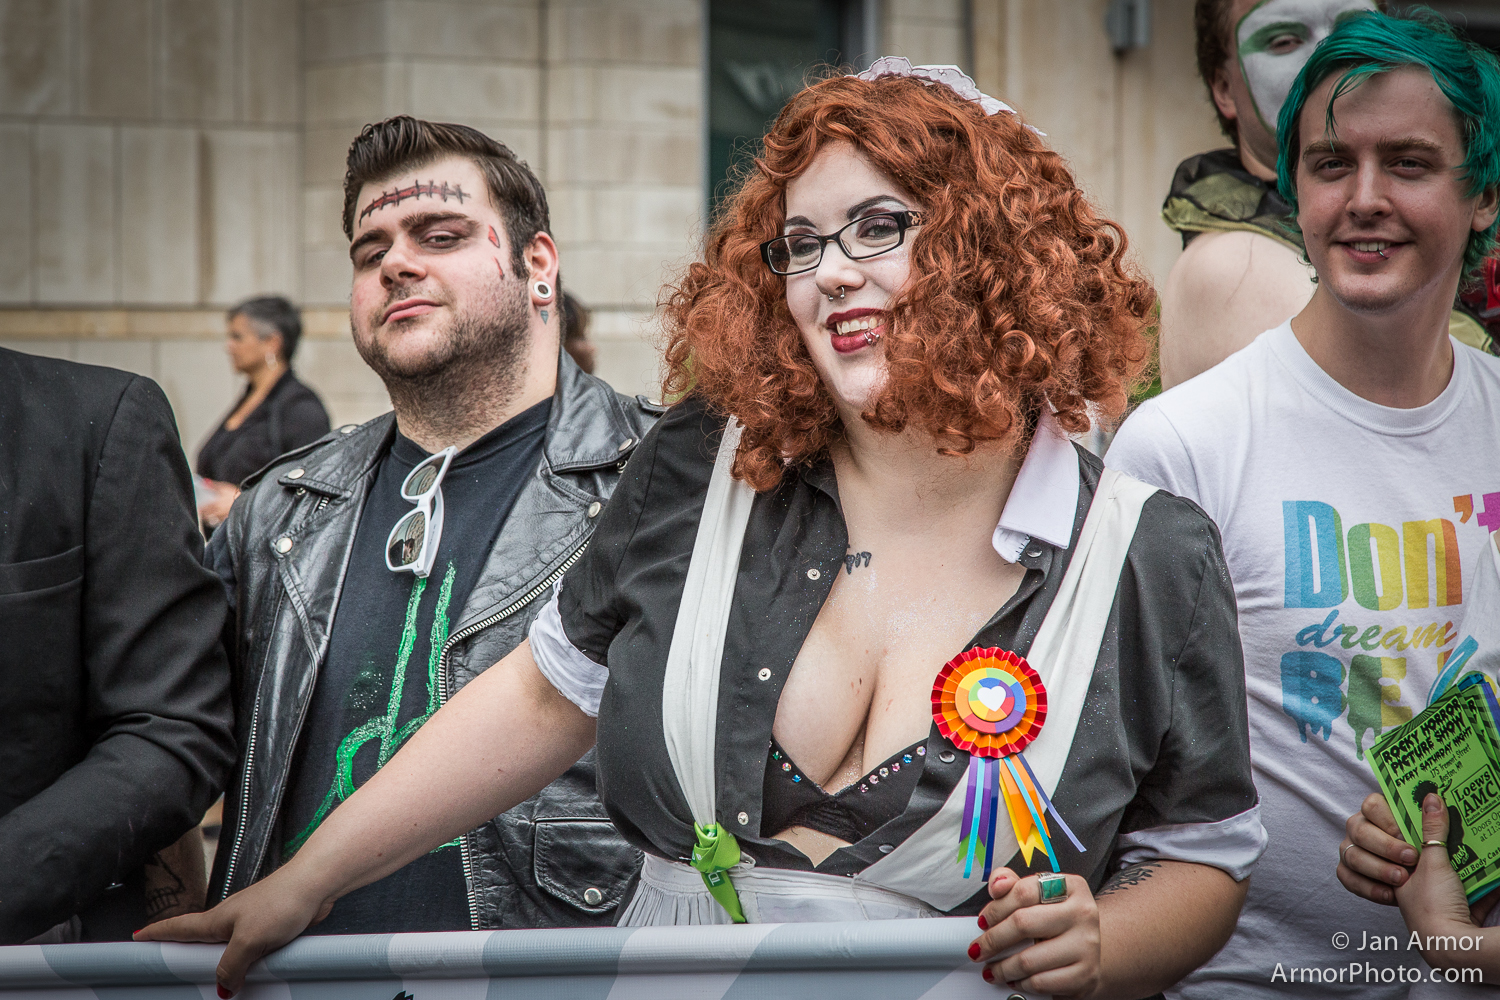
[1350, 458]
[377, 571]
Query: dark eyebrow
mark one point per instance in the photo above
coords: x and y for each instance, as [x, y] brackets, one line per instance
[859, 209]
[369, 236]
[853, 213]
[417, 220]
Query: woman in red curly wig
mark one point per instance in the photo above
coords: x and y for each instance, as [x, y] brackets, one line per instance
[856, 590]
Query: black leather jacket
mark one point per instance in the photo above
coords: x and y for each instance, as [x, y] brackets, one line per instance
[553, 861]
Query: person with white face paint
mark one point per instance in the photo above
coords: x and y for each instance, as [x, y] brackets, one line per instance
[1272, 43]
[864, 490]
[1242, 270]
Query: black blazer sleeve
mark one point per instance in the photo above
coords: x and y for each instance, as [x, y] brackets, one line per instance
[155, 684]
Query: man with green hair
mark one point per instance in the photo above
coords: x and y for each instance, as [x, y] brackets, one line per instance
[1350, 458]
[1242, 270]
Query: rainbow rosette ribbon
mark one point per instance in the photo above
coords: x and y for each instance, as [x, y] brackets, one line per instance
[991, 704]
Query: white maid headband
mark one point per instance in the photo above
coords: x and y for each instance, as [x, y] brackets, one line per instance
[951, 77]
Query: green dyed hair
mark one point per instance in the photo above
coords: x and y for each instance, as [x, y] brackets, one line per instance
[1368, 44]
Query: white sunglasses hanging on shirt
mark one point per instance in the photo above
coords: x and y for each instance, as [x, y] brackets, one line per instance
[413, 542]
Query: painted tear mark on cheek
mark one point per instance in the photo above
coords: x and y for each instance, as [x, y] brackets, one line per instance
[500, 267]
[493, 238]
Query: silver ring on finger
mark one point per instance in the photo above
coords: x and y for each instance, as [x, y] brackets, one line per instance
[1051, 888]
[1344, 855]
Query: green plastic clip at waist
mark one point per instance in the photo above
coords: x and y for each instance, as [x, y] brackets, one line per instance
[713, 855]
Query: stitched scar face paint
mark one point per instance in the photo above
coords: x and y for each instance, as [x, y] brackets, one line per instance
[1274, 41]
[416, 189]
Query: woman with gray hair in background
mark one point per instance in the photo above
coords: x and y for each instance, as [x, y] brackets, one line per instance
[275, 414]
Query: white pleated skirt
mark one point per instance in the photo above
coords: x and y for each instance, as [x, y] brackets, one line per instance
[672, 893]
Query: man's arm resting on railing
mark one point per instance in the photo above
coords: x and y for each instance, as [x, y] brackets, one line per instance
[499, 741]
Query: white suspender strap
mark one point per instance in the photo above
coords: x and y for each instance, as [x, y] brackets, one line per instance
[690, 689]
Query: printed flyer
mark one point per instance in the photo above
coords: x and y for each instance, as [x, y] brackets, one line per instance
[1453, 749]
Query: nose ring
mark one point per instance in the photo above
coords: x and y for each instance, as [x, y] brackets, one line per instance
[841, 293]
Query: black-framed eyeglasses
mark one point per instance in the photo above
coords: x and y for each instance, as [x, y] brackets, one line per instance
[869, 236]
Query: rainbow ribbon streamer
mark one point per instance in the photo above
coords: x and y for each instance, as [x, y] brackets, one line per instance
[990, 703]
[996, 780]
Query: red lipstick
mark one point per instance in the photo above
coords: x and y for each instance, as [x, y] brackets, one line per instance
[848, 343]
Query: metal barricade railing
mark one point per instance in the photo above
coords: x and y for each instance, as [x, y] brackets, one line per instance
[894, 959]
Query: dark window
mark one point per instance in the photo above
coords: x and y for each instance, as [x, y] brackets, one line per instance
[759, 54]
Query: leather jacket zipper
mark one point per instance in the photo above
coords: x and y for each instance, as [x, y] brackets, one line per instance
[239, 832]
[465, 851]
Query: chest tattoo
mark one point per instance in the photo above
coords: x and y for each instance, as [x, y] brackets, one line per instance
[855, 560]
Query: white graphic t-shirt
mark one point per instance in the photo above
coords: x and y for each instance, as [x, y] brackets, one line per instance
[1353, 532]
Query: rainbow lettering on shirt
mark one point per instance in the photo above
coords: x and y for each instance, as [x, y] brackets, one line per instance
[1387, 570]
[1321, 570]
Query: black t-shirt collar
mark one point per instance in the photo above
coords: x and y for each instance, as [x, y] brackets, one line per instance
[409, 453]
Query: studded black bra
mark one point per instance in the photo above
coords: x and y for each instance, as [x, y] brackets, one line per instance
[790, 798]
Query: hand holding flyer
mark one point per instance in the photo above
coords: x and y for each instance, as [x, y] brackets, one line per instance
[1451, 749]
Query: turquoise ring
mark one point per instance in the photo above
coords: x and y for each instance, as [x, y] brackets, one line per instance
[1051, 887]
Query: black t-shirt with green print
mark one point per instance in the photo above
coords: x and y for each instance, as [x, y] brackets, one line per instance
[380, 680]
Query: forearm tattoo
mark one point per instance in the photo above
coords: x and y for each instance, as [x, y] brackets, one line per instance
[432, 189]
[1130, 875]
[854, 560]
[165, 887]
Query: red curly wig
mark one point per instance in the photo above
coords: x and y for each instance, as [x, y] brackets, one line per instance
[1019, 294]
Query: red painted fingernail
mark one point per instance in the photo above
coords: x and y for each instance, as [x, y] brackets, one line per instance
[974, 952]
[989, 976]
[984, 924]
[224, 993]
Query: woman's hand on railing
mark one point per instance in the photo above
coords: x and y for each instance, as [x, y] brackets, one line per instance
[254, 922]
[1065, 958]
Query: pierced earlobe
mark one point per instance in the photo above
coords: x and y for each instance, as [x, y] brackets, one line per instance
[543, 290]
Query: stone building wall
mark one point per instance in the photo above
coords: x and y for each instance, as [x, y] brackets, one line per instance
[149, 169]
[1123, 122]
[161, 159]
